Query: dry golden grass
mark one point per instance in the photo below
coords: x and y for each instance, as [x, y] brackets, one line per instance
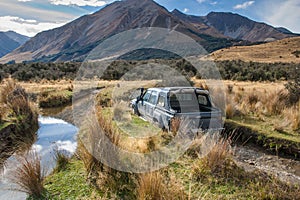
[175, 124]
[218, 155]
[292, 116]
[86, 157]
[277, 51]
[262, 100]
[151, 186]
[29, 175]
[154, 186]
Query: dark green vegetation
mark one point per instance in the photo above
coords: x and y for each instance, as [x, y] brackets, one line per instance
[253, 71]
[18, 120]
[39, 71]
[229, 70]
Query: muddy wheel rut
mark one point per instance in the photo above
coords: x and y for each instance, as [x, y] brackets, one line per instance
[252, 158]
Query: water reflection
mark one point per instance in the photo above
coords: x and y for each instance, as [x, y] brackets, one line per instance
[53, 134]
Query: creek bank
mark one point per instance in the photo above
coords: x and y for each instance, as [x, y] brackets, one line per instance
[276, 146]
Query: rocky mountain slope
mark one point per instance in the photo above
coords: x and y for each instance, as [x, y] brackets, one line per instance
[235, 26]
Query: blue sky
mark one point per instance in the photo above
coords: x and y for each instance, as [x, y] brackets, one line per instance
[29, 17]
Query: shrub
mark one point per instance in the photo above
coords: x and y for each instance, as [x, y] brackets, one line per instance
[293, 87]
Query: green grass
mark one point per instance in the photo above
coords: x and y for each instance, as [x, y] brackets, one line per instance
[266, 128]
[4, 125]
[70, 183]
[137, 126]
[50, 99]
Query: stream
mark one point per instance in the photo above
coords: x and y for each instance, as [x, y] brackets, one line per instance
[53, 134]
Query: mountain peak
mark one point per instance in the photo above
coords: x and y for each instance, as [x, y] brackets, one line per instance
[76, 39]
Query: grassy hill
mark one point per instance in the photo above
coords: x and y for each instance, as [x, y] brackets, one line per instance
[286, 50]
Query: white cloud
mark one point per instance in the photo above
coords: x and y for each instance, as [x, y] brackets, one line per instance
[186, 10]
[282, 13]
[201, 1]
[25, 26]
[24, 0]
[214, 3]
[42, 13]
[94, 3]
[244, 5]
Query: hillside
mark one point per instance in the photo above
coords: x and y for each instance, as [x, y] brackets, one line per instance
[76, 39]
[286, 50]
[9, 41]
[234, 26]
[73, 41]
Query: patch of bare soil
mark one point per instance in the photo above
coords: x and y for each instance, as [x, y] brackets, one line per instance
[251, 158]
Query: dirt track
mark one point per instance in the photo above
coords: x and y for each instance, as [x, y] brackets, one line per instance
[252, 158]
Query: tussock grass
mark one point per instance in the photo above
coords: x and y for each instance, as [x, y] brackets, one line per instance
[265, 102]
[61, 160]
[230, 110]
[292, 116]
[216, 161]
[86, 157]
[92, 147]
[154, 186]
[175, 124]
[29, 175]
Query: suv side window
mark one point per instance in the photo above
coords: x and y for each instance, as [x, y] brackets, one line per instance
[153, 98]
[146, 96]
[161, 101]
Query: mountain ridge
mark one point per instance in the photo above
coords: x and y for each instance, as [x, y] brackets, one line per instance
[10, 40]
[73, 41]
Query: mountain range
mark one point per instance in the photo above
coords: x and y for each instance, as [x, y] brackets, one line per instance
[73, 41]
[10, 40]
